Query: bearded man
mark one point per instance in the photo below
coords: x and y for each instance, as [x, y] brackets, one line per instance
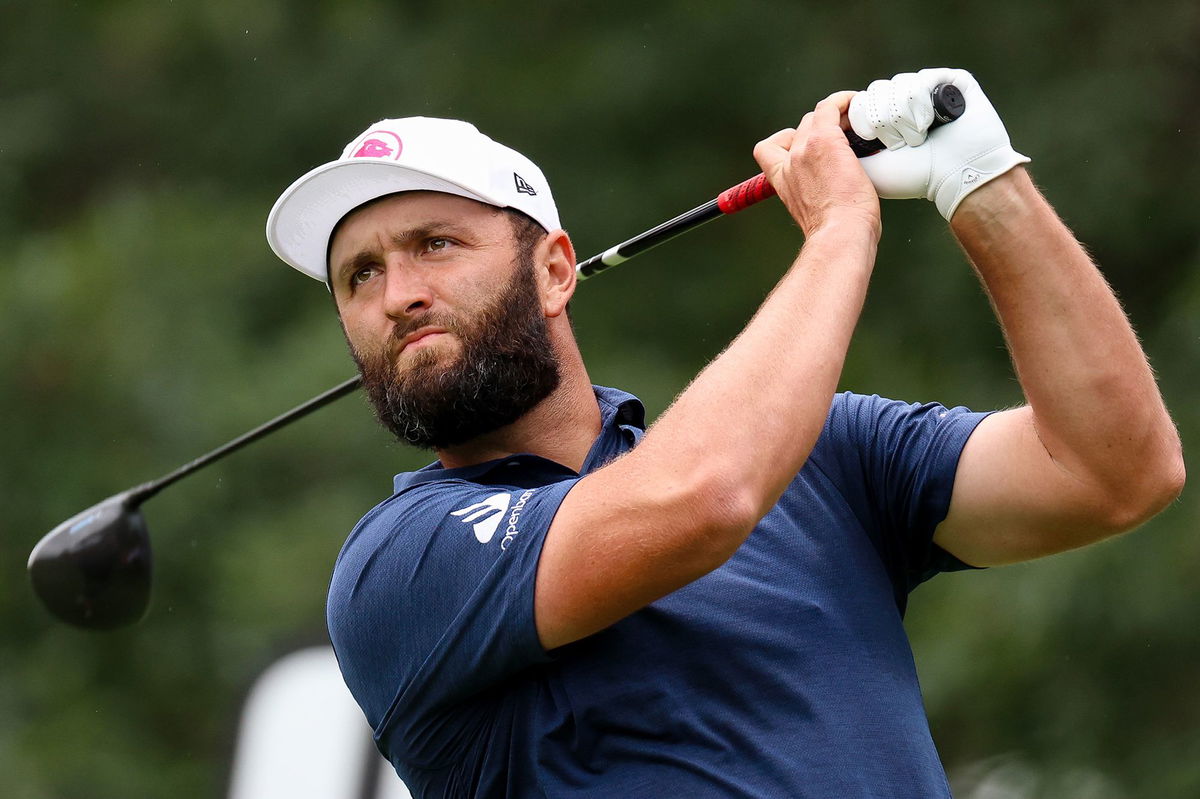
[566, 605]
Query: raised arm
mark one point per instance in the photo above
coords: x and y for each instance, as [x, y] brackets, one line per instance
[1094, 453]
[681, 503]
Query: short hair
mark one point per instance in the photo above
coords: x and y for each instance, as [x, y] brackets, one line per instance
[527, 232]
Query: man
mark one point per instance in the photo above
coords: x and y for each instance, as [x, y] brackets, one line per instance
[563, 606]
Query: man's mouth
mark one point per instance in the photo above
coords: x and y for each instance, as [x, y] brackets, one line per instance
[421, 337]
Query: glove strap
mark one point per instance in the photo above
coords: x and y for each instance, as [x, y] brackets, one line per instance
[958, 183]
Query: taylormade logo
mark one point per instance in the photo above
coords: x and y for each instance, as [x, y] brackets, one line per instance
[487, 515]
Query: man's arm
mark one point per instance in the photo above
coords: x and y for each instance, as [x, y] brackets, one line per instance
[1094, 453]
[681, 503]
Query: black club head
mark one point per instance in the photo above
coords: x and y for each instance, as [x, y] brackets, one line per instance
[93, 570]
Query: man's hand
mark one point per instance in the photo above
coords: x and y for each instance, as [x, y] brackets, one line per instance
[953, 161]
[815, 172]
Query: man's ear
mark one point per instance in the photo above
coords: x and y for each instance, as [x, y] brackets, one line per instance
[556, 255]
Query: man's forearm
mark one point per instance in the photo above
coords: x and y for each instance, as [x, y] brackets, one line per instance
[1096, 406]
[682, 502]
[780, 374]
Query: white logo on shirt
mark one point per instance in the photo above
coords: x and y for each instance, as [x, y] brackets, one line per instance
[511, 531]
[489, 512]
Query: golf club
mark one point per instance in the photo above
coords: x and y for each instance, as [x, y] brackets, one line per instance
[94, 569]
[948, 105]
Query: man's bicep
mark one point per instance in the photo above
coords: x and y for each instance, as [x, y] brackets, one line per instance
[622, 538]
[1011, 500]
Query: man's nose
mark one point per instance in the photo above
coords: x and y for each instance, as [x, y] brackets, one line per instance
[406, 291]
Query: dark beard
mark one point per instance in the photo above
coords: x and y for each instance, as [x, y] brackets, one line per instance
[505, 368]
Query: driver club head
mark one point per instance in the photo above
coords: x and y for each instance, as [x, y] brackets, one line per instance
[93, 570]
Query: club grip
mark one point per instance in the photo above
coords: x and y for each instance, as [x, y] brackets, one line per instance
[745, 194]
[948, 105]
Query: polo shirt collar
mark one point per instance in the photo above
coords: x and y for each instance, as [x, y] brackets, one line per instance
[622, 422]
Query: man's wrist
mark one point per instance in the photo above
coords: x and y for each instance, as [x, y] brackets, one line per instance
[849, 223]
[1001, 195]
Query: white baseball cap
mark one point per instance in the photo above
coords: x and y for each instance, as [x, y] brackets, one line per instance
[394, 155]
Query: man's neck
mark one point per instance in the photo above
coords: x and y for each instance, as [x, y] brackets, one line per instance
[561, 428]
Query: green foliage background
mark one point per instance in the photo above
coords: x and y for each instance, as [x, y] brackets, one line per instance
[144, 321]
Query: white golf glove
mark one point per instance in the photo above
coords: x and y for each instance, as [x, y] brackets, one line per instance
[943, 165]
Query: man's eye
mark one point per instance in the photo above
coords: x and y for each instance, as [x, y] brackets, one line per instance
[362, 276]
[435, 244]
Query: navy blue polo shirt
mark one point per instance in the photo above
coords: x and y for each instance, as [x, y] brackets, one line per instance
[786, 672]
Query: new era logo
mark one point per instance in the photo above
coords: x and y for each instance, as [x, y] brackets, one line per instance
[486, 515]
[522, 186]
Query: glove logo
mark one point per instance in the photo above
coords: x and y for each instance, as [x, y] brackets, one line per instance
[969, 176]
[486, 515]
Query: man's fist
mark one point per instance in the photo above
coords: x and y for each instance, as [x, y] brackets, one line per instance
[944, 165]
[815, 173]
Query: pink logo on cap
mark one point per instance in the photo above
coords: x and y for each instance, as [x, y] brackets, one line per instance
[379, 144]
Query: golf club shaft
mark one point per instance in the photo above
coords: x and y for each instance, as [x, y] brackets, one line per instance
[730, 201]
[147, 490]
[947, 106]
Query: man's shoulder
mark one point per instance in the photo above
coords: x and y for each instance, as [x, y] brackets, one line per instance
[856, 402]
[848, 411]
[858, 424]
[417, 509]
[850, 408]
[420, 537]
[467, 503]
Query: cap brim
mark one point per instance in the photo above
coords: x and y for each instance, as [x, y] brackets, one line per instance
[304, 216]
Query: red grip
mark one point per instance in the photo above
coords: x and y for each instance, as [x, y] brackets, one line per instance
[745, 194]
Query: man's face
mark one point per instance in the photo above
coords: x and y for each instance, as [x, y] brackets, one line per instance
[443, 316]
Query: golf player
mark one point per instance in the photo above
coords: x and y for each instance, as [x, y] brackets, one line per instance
[568, 604]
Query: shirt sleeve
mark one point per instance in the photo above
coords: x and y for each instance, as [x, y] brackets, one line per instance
[431, 606]
[898, 462]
